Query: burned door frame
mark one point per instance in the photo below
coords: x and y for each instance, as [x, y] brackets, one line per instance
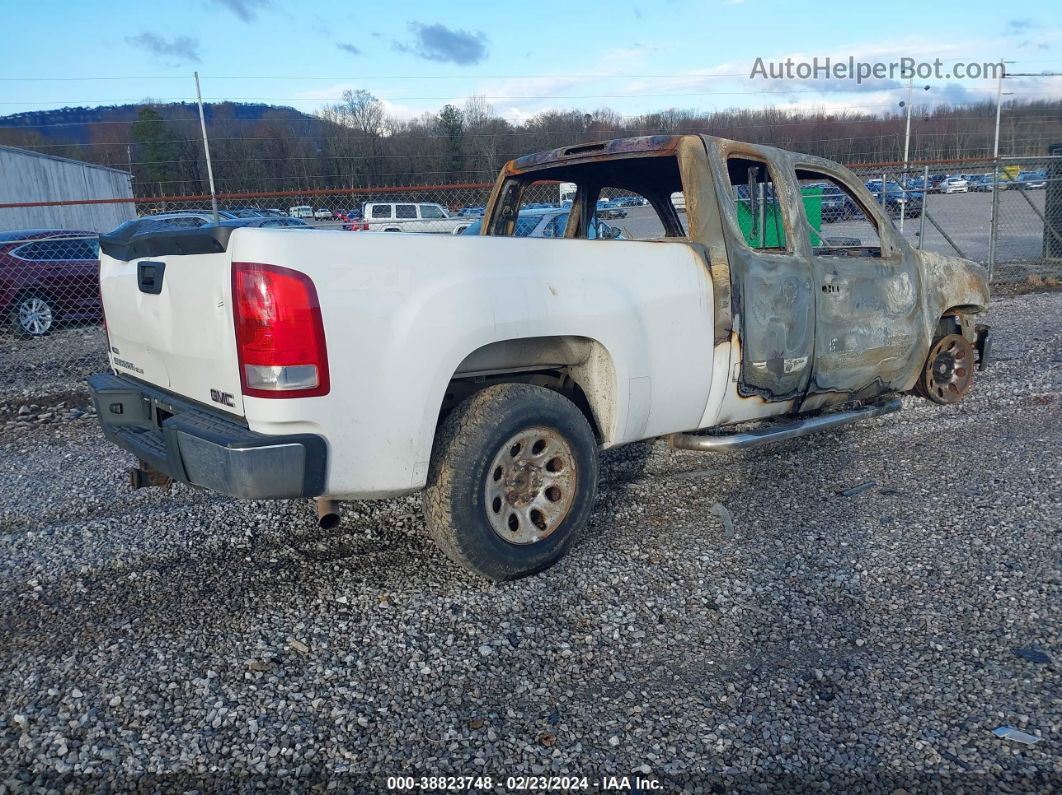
[772, 301]
[869, 310]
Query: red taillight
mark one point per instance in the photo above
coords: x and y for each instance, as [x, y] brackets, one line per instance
[280, 339]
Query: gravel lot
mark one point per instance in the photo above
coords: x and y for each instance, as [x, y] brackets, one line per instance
[59, 362]
[861, 641]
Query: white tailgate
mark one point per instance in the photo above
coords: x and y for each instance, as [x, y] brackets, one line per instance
[181, 339]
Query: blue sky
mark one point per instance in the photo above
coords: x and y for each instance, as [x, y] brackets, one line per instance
[630, 55]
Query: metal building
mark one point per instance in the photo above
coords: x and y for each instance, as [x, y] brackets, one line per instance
[28, 177]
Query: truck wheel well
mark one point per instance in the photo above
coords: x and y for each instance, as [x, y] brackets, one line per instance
[958, 320]
[460, 389]
[579, 368]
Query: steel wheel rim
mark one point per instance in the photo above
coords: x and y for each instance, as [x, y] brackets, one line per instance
[35, 316]
[530, 485]
[949, 372]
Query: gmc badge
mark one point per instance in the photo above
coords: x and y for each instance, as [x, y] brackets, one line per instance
[224, 398]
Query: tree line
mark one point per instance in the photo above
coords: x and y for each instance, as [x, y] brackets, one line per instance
[355, 143]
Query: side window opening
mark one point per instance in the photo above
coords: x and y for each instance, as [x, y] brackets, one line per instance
[838, 224]
[381, 211]
[431, 211]
[405, 211]
[759, 212]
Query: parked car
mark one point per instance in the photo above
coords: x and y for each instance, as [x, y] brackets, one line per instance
[1032, 180]
[411, 217]
[934, 182]
[953, 185]
[322, 214]
[836, 206]
[184, 219]
[489, 372]
[301, 211]
[205, 215]
[355, 221]
[268, 222]
[470, 212]
[48, 276]
[140, 226]
[897, 200]
[608, 209]
[538, 222]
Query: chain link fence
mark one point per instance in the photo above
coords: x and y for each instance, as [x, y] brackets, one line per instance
[1007, 215]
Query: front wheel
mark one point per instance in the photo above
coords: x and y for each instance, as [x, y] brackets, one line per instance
[512, 479]
[32, 315]
[948, 372]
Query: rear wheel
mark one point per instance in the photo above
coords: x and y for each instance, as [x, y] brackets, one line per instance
[948, 372]
[32, 315]
[512, 479]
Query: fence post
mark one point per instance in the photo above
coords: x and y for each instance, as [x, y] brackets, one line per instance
[206, 149]
[993, 230]
[922, 215]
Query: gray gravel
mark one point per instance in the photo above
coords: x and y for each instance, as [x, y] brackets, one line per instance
[56, 363]
[177, 639]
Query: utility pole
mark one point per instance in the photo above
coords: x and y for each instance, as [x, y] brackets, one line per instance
[906, 154]
[206, 149]
[993, 231]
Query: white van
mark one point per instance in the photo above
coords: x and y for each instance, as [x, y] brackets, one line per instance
[301, 211]
[411, 217]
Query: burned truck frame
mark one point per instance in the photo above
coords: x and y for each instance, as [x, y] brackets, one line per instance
[812, 321]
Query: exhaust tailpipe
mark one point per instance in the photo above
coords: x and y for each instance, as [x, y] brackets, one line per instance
[328, 513]
[144, 476]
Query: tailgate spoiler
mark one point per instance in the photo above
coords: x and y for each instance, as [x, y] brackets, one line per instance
[128, 245]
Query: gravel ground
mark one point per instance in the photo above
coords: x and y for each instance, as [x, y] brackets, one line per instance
[176, 639]
[58, 362]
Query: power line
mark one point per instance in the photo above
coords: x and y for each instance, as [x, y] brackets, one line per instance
[498, 97]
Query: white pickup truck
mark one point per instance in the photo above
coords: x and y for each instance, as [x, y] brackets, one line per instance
[489, 370]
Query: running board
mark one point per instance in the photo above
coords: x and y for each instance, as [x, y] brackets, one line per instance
[776, 433]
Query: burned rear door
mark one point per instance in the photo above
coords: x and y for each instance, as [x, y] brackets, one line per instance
[773, 304]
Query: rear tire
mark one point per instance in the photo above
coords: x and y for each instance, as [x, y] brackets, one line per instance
[512, 479]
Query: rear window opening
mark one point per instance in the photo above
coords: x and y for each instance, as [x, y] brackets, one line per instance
[636, 198]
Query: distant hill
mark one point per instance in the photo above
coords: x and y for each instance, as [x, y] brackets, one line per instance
[256, 147]
[78, 125]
